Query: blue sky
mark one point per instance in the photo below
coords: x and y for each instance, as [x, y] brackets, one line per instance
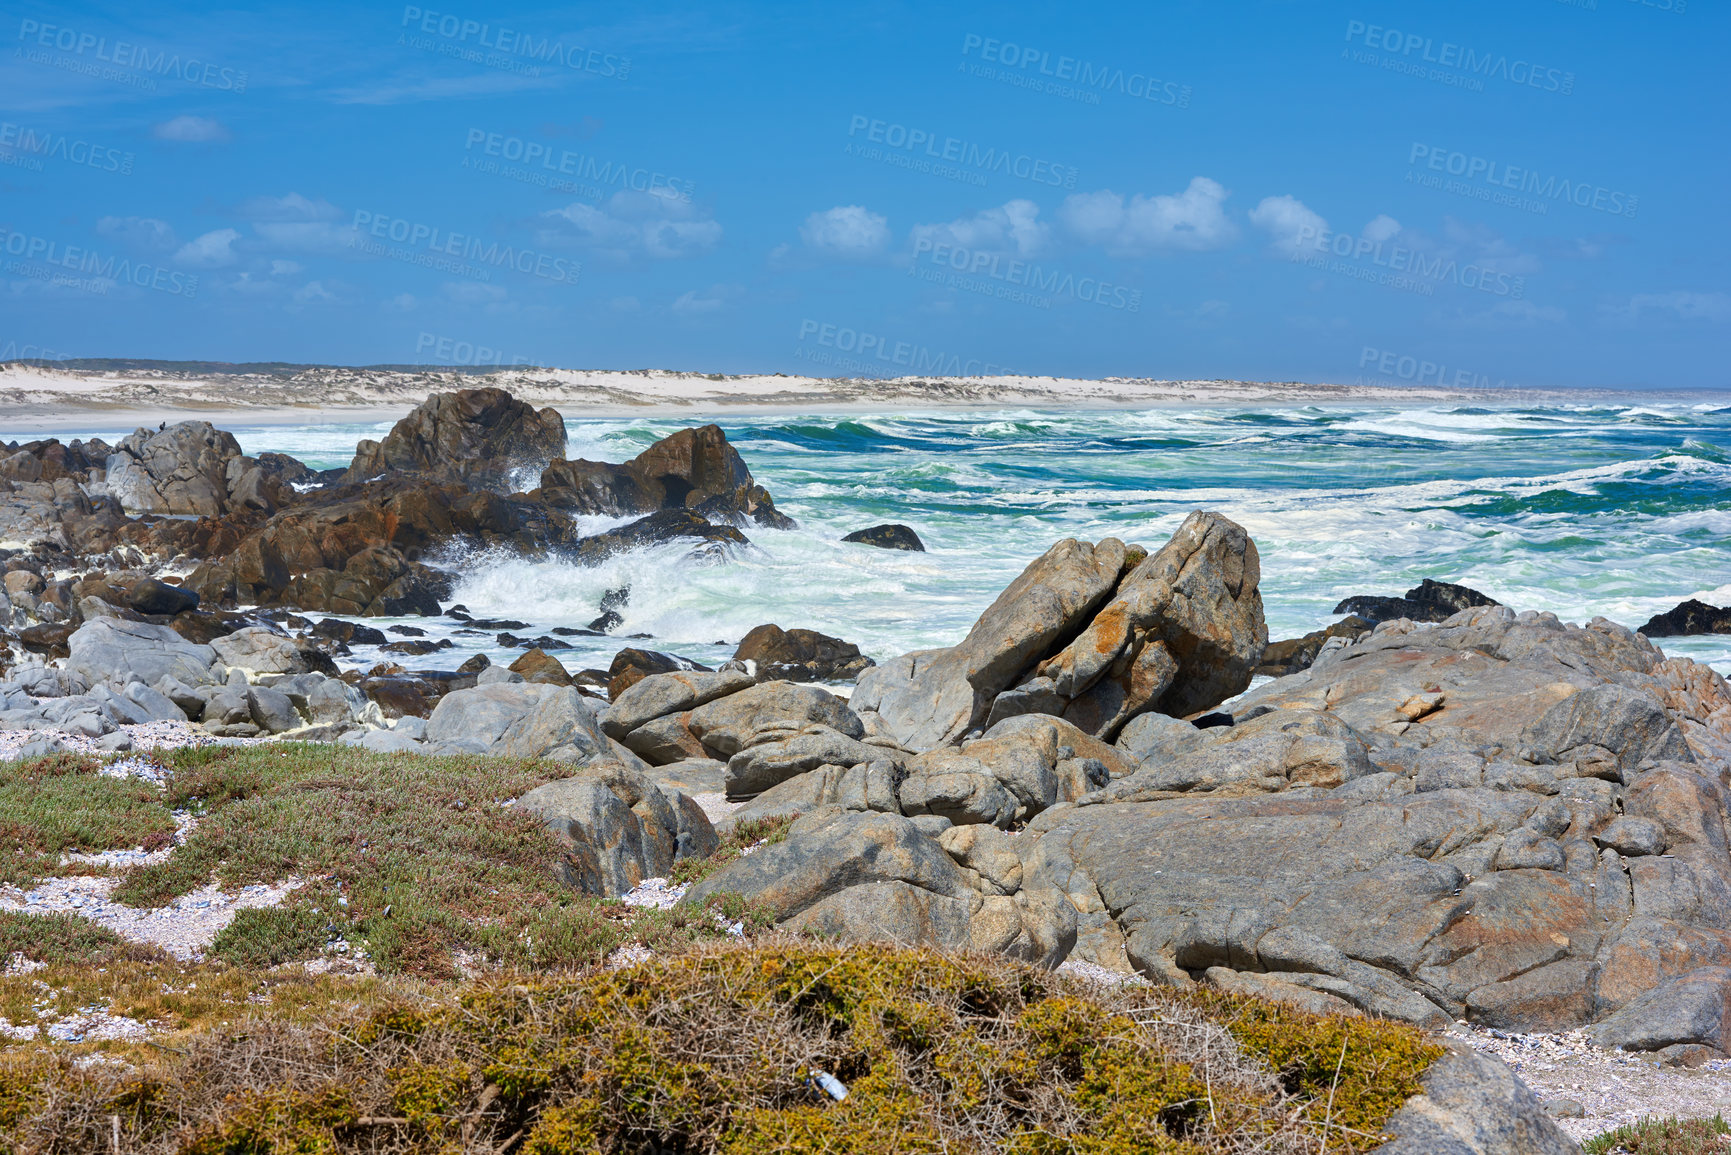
[1528, 192]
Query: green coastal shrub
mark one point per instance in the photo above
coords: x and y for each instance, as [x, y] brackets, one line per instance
[1667, 1136]
[719, 1050]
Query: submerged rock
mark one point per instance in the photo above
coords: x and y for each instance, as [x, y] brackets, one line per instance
[891, 536]
[693, 469]
[1429, 601]
[1689, 618]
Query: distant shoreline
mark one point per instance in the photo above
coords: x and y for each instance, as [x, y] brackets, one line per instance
[47, 399]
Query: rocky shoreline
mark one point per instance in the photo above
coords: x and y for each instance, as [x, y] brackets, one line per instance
[1438, 810]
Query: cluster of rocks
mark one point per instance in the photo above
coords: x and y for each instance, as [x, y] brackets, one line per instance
[121, 672]
[1497, 818]
[471, 468]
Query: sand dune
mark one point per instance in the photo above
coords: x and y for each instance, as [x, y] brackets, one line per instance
[37, 397]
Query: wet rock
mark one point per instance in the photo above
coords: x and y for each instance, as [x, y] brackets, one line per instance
[484, 437]
[49, 638]
[631, 666]
[1429, 601]
[1688, 619]
[417, 647]
[539, 666]
[890, 536]
[348, 633]
[694, 470]
[152, 596]
[800, 655]
[398, 696]
[663, 526]
[265, 483]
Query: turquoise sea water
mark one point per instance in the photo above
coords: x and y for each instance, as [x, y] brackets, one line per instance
[1620, 510]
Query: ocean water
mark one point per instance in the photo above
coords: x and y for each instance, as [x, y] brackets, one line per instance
[1620, 510]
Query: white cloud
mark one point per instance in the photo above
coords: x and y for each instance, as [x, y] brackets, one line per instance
[1714, 308]
[1480, 244]
[298, 223]
[712, 300]
[145, 233]
[1382, 227]
[1290, 224]
[401, 303]
[1193, 220]
[1013, 228]
[212, 250]
[288, 207]
[191, 130]
[652, 224]
[284, 268]
[313, 291]
[850, 231]
[306, 236]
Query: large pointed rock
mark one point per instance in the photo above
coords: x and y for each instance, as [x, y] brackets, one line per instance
[1077, 637]
[182, 469]
[484, 437]
[932, 698]
[1183, 633]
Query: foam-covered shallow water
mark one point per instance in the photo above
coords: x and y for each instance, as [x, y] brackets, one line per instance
[1620, 510]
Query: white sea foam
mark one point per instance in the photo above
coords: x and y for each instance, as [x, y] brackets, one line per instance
[1580, 510]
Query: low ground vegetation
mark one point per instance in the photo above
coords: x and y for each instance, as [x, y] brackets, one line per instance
[61, 803]
[491, 1020]
[721, 1049]
[1670, 1136]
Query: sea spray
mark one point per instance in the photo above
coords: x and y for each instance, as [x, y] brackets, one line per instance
[1581, 510]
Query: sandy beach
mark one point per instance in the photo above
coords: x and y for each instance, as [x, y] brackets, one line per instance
[37, 398]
